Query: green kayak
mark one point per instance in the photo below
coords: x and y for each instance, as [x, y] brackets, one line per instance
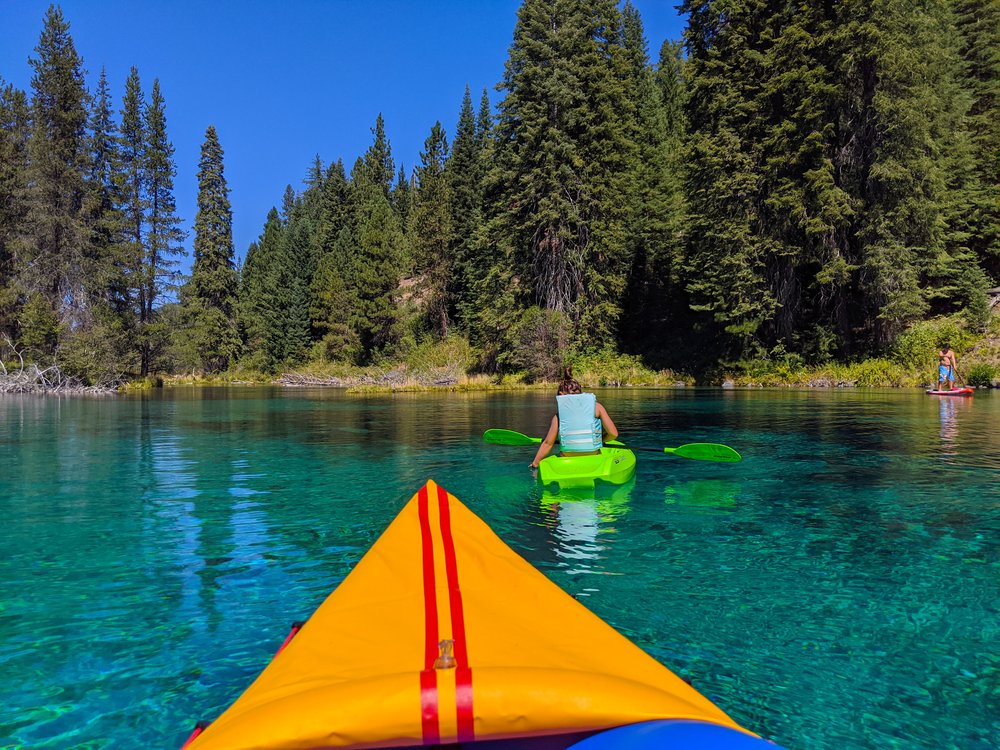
[611, 465]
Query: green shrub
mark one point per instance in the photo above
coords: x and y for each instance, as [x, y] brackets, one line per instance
[918, 345]
[40, 328]
[144, 384]
[453, 352]
[779, 367]
[982, 374]
[878, 373]
[611, 368]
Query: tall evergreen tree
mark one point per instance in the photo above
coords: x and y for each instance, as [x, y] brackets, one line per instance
[131, 189]
[896, 99]
[164, 237]
[335, 208]
[402, 199]
[378, 164]
[14, 136]
[260, 298]
[823, 217]
[103, 345]
[333, 303]
[654, 227]
[212, 290]
[484, 121]
[725, 260]
[374, 269]
[55, 235]
[109, 268]
[297, 264]
[563, 149]
[978, 22]
[465, 178]
[434, 233]
[275, 298]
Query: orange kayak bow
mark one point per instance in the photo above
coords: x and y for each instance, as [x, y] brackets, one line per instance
[442, 634]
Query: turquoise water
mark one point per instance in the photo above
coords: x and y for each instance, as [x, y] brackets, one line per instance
[839, 588]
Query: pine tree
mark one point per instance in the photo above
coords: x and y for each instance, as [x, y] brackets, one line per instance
[978, 23]
[894, 102]
[55, 235]
[484, 121]
[164, 237]
[562, 147]
[465, 177]
[248, 304]
[481, 255]
[297, 265]
[260, 301]
[402, 199]
[335, 208]
[434, 234]
[669, 79]
[378, 164]
[14, 136]
[654, 234]
[131, 190]
[375, 266]
[103, 349]
[333, 303]
[213, 285]
[724, 263]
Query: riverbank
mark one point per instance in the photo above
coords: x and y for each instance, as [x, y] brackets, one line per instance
[874, 373]
[449, 365]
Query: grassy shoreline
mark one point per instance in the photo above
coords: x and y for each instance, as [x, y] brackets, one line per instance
[874, 373]
[448, 365]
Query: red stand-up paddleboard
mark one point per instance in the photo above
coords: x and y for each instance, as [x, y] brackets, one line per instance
[952, 392]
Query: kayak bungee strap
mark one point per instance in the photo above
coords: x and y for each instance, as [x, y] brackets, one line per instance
[436, 652]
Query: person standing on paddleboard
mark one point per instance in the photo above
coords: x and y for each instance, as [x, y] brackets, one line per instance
[947, 365]
[584, 426]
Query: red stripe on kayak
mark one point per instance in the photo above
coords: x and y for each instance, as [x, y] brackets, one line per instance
[463, 675]
[429, 707]
[428, 677]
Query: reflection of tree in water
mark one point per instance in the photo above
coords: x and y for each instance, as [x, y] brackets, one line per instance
[703, 493]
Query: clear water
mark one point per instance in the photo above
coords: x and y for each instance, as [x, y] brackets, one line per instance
[840, 588]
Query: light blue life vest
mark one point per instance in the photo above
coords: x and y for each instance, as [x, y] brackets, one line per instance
[579, 430]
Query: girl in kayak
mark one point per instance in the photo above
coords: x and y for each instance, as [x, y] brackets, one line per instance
[581, 424]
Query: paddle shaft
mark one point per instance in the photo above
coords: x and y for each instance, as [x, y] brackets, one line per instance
[696, 451]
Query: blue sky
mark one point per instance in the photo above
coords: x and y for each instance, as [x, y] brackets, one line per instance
[282, 82]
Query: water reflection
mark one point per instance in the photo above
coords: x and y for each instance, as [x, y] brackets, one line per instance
[948, 414]
[581, 519]
[703, 493]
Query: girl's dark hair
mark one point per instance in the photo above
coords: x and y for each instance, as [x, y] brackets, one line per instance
[568, 385]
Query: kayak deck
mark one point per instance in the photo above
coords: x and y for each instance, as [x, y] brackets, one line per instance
[612, 465]
[442, 634]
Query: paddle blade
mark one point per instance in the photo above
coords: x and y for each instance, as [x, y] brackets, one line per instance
[706, 452]
[509, 437]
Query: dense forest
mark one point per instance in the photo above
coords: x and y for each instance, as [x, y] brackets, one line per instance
[806, 178]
